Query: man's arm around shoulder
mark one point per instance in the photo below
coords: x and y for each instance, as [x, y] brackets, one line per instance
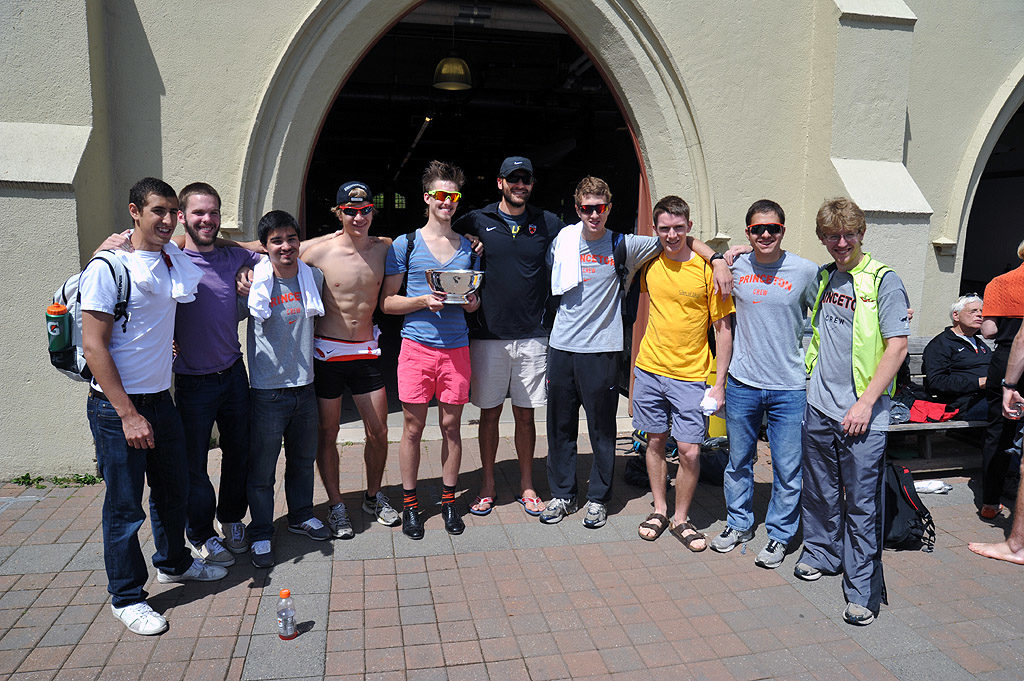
[723, 356]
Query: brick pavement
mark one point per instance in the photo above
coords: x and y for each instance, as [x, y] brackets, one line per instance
[509, 599]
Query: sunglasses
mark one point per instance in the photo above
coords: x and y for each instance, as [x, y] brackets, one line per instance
[772, 228]
[443, 196]
[519, 178]
[598, 208]
[352, 212]
[849, 237]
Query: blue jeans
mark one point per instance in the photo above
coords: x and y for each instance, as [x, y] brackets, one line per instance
[125, 470]
[222, 397]
[288, 413]
[744, 408]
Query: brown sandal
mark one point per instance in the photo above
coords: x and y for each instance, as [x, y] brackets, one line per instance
[658, 528]
[688, 540]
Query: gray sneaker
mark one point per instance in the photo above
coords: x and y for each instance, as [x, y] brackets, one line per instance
[556, 510]
[730, 539]
[213, 552]
[597, 515]
[234, 537]
[337, 520]
[806, 572]
[381, 508]
[197, 572]
[772, 555]
[858, 614]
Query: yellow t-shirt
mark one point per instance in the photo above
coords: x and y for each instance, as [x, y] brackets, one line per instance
[683, 307]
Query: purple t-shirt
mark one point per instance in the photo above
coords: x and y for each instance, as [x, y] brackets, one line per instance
[206, 329]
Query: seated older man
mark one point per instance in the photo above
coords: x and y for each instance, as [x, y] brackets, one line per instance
[955, 362]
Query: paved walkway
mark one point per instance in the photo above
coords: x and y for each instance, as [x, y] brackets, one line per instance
[510, 599]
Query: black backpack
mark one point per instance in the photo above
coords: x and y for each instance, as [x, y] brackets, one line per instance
[907, 521]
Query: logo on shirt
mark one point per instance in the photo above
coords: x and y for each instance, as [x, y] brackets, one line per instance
[533, 229]
[839, 300]
[491, 229]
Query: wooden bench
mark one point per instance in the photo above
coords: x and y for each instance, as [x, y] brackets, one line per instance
[926, 431]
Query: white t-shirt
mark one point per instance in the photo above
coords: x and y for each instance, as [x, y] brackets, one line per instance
[142, 352]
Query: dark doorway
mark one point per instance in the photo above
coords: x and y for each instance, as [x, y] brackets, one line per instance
[993, 230]
[534, 93]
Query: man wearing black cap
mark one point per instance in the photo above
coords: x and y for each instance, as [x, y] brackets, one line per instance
[346, 351]
[508, 347]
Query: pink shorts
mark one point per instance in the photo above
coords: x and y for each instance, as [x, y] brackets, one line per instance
[424, 371]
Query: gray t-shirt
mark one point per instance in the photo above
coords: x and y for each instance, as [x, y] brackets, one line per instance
[589, 317]
[280, 348]
[771, 302]
[831, 390]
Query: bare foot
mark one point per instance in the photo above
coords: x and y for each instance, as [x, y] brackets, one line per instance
[999, 551]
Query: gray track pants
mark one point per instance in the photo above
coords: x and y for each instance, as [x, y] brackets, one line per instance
[844, 532]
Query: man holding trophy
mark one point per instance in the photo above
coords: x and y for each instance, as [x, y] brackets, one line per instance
[434, 359]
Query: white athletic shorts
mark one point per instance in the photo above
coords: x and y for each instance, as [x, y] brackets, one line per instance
[508, 367]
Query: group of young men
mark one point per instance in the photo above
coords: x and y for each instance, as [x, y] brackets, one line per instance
[310, 310]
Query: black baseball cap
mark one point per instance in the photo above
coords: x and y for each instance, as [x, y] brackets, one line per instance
[345, 194]
[514, 163]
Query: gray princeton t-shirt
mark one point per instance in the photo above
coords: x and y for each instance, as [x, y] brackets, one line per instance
[589, 317]
[280, 348]
[771, 302]
[831, 390]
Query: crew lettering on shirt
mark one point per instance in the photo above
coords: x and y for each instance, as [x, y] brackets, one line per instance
[292, 313]
[589, 262]
[839, 300]
[832, 299]
[766, 280]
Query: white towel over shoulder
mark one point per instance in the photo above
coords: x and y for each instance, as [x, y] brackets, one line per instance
[263, 284]
[566, 269]
[185, 274]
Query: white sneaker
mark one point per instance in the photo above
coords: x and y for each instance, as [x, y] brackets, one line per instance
[234, 537]
[197, 572]
[213, 553]
[141, 619]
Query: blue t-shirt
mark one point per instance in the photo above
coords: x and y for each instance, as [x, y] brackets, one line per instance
[444, 329]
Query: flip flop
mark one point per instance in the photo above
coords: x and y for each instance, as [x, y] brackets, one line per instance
[482, 500]
[688, 540]
[531, 500]
[658, 528]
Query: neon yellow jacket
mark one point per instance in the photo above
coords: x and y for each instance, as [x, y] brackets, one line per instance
[868, 344]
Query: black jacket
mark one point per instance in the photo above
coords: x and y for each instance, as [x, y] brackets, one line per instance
[517, 281]
[952, 367]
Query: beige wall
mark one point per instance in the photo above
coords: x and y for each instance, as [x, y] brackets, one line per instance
[731, 101]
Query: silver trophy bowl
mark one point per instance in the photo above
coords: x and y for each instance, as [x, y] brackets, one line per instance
[456, 285]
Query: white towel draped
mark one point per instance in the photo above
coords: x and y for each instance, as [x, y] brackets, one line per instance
[566, 269]
[185, 275]
[263, 284]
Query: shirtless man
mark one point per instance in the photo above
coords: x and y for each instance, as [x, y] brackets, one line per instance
[346, 351]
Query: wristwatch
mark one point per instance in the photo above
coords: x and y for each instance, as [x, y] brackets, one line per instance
[716, 256]
[1011, 386]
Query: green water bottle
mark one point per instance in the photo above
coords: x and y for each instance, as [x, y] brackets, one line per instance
[58, 327]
